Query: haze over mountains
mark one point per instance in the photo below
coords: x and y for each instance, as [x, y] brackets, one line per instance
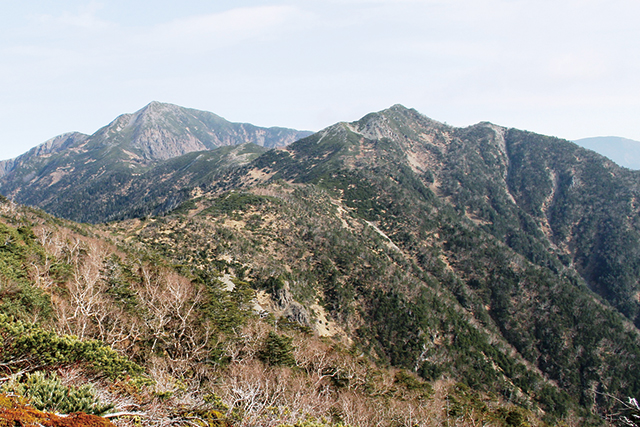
[503, 260]
[623, 151]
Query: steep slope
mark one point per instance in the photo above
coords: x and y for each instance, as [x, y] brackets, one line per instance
[42, 151]
[589, 208]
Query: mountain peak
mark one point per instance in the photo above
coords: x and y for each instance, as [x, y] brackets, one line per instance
[160, 131]
[400, 107]
[159, 107]
[158, 114]
[394, 122]
[155, 104]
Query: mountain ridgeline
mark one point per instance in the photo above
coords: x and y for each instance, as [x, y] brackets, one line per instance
[501, 259]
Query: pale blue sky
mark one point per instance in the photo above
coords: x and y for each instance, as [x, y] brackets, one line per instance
[564, 68]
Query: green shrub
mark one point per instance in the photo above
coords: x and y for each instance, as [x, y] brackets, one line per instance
[47, 393]
[24, 344]
[412, 383]
[277, 350]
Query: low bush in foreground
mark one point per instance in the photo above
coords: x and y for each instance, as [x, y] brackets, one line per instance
[14, 411]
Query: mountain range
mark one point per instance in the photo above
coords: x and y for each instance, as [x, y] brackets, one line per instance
[485, 270]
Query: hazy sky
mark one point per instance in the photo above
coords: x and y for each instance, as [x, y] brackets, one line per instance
[564, 68]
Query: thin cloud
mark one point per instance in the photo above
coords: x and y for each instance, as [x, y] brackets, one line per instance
[86, 18]
[586, 65]
[224, 28]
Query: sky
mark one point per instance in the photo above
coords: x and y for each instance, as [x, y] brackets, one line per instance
[567, 68]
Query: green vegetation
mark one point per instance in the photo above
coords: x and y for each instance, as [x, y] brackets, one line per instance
[25, 345]
[232, 202]
[592, 210]
[18, 297]
[277, 350]
[47, 393]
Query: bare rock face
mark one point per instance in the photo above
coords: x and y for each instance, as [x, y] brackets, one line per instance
[290, 308]
[297, 313]
[283, 298]
[161, 144]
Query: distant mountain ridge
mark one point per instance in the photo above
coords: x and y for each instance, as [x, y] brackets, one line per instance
[623, 151]
[157, 132]
[163, 131]
[51, 146]
[70, 165]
